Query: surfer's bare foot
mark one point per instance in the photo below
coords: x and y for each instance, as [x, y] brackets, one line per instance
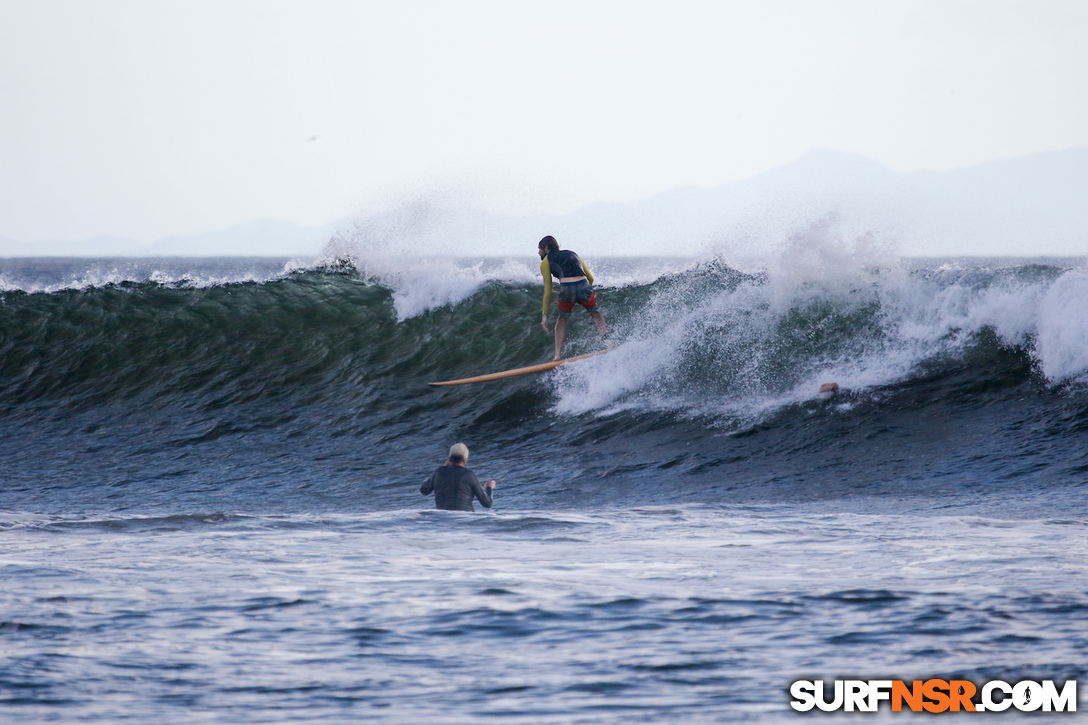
[598, 320]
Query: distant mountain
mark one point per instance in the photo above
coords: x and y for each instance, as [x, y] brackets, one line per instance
[1021, 207]
[1029, 206]
[257, 239]
[98, 246]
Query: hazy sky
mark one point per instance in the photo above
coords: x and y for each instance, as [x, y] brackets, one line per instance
[149, 118]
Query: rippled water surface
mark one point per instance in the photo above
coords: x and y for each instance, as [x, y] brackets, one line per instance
[687, 614]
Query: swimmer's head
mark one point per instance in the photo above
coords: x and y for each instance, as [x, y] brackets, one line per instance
[459, 453]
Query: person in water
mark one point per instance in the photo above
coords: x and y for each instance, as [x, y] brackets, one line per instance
[454, 485]
[575, 287]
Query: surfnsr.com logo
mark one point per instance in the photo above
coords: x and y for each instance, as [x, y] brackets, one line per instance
[934, 696]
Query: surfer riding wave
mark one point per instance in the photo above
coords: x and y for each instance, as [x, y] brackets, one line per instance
[575, 287]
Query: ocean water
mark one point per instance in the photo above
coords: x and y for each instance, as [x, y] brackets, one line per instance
[210, 508]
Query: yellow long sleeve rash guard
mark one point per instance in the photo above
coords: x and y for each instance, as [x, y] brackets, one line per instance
[546, 270]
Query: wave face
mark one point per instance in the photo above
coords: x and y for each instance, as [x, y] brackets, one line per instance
[250, 384]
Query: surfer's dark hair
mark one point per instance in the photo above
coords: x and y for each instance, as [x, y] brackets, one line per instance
[457, 459]
[549, 243]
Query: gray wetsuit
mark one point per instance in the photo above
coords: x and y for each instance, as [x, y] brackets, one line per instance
[454, 488]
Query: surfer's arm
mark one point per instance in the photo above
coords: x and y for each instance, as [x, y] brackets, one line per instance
[428, 486]
[483, 495]
[585, 270]
[546, 270]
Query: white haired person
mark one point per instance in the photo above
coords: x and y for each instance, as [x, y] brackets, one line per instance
[454, 485]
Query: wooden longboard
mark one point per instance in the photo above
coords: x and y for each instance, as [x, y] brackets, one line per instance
[520, 371]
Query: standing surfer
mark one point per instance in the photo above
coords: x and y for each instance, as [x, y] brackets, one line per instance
[575, 282]
[454, 485]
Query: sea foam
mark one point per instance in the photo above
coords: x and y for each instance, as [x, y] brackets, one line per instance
[822, 310]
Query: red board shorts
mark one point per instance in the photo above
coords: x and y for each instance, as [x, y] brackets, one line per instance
[579, 293]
